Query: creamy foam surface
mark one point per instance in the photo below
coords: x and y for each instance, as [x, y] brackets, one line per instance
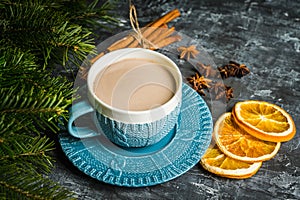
[135, 84]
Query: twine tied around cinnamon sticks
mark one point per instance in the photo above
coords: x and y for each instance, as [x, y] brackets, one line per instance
[156, 32]
[144, 43]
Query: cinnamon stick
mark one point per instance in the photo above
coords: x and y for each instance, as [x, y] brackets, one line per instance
[130, 41]
[173, 14]
[167, 41]
[165, 33]
[93, 60]
[122, 43]
[157, 32]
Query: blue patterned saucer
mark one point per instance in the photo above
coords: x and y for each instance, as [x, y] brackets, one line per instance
[178, 152]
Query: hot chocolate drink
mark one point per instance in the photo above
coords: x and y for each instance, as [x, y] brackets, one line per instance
[135, 84]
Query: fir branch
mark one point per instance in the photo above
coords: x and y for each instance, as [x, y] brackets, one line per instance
[34, 36]
[34, 98]
[43, 31]
[16, 65]
[19, 183]
[93, 16]
[40, 107]
[30, 152]
[71, 40]
[23, 161]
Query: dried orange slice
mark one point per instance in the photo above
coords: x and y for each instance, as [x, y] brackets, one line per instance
[238, 144]
[215, 161]
[264, 120]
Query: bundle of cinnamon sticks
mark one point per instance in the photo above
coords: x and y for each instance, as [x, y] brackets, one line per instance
[156, 34]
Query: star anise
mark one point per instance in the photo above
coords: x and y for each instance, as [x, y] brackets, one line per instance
[233, 69]
[187, 52]
[199, 83]
[228, 92]
[220, 90]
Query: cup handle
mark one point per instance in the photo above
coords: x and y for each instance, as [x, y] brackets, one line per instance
[77, 110]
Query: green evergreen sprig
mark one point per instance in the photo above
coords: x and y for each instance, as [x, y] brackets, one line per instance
[59, 30]
[32, 101]
[25, 184]
[35, 37]
[29, 95]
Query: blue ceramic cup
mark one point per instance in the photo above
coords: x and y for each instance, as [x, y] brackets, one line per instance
[123, 127]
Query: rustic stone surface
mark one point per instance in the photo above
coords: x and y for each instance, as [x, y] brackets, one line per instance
[264, 35]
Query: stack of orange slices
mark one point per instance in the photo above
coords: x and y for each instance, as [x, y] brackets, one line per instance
[247, 136]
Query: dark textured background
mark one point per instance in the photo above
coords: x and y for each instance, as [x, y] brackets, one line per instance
[264, 35]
